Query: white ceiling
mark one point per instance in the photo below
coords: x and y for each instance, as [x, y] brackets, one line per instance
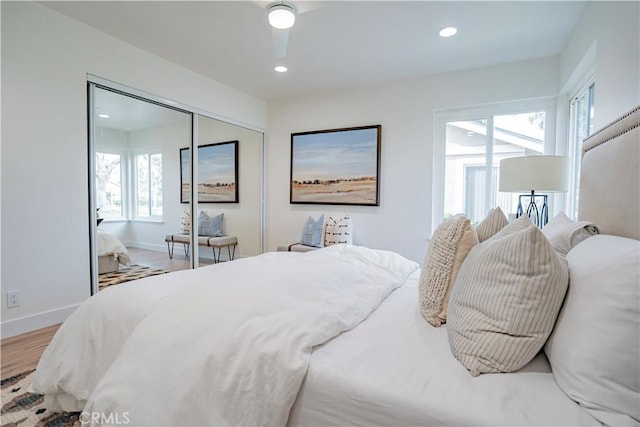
[334, 44]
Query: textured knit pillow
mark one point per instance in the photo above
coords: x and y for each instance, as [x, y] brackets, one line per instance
[312, 232]
[210, 225]
[594, 350]
[564, 233]
[338, 230]
[449, 246]
[505, 301]
[493, 223]
[185, 222]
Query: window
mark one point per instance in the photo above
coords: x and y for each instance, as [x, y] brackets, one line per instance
[469, 146]
[580, 127]
[148, 186]
[109, 185]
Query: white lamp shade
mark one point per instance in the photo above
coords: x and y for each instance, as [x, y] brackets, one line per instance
[542, 174]
[282, 16]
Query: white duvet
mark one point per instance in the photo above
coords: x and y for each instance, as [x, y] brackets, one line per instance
[109, 245]
[227, 344]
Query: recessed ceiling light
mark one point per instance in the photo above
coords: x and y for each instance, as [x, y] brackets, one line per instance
[281, 68]
[282, 16]
[448, 31]
[104, 116]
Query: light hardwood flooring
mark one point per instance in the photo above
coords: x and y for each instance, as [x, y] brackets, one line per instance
[22, 352]
[161, 260]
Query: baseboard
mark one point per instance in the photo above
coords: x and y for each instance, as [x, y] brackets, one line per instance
[147, 246]
[30, 323]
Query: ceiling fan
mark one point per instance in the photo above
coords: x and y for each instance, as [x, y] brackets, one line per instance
[282, 15]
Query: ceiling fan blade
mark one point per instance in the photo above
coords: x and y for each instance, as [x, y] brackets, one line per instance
[280, 41]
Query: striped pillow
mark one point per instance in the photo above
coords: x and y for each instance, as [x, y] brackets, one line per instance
[505, 301]
[493, 223]
[312, 232]
[449, 246]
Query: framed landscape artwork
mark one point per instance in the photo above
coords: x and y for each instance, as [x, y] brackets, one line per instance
[336, 166]
[217, 173]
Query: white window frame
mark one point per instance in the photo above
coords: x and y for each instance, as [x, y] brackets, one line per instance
[134, 185]
[574, 146]
[441, 117]
[124, 181]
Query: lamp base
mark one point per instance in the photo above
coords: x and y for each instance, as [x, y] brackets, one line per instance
[538, 216]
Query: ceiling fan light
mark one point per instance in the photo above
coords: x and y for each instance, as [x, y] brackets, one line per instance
[447, 31]
[282, 16]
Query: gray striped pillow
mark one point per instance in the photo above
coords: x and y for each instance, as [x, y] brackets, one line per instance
[505, 301]
[494, 222]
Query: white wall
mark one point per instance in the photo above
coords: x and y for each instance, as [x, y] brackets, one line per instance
[614, 29]
[406, 112]
[45, 60]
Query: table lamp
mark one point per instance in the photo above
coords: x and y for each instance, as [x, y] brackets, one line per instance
[534, 174]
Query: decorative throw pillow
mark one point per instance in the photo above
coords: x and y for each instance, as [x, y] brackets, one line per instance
[564, 233]
[210, 225]
[338, 230]
[494, 222]
[594, 350]
[449, 246]
[517, 224]
[185, 222]
[312, 232]
[505, 301]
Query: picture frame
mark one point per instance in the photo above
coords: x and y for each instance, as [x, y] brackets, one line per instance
[336, 166]
[217, 173]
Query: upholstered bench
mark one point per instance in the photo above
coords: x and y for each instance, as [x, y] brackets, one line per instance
[219, 242]
[296, 247]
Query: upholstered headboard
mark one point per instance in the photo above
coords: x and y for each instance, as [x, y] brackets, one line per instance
[610, 177]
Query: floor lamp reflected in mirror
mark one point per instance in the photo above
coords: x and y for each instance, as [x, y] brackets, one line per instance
[534, 174]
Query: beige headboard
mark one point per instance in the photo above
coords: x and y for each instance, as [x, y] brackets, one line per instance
[610, 177]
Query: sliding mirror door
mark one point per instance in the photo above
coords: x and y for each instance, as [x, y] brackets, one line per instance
[230, 186]
[135, 163]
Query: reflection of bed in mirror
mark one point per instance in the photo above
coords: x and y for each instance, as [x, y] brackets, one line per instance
[111, 253]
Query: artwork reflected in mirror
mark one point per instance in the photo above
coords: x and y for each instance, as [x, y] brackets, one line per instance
[217, 173]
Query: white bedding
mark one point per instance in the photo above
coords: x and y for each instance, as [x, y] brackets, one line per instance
[227, 344]
[109, 245]
[397, 370]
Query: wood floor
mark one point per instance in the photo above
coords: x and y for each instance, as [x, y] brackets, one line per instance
[161, 260]
[22, 352]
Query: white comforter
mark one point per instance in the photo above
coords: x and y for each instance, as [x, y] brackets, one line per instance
[109, 245]
[227, 344]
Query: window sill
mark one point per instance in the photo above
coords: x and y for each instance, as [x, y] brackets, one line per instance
[150, 220]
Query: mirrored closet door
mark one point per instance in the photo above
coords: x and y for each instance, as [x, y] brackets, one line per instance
[142, 219]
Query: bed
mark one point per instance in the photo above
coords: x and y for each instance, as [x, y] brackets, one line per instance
[111, 253]
[335, 336]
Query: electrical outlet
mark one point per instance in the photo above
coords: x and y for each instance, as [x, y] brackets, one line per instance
[13, 299]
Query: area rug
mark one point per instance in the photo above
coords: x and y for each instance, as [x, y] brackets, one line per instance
[126, 274]
[23, 409]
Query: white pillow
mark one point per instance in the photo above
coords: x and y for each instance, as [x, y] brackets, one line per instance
[494, 222]
[185, 222]
[594, 350]
[564, 233]
[505, 301]
[449, 246]
[338, 230]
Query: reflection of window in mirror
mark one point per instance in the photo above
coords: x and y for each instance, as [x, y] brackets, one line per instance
[109, 185]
